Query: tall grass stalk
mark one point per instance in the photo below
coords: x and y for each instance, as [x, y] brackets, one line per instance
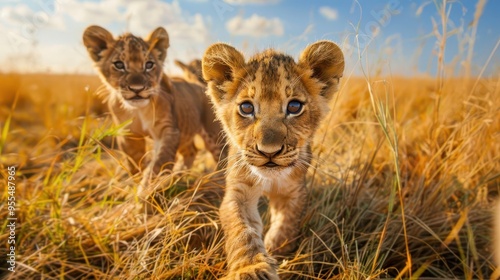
[6, 125]
[387, 125]
[472, 38]
[441, 40]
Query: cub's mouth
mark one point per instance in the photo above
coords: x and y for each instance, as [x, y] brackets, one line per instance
[271, 164]
[261, 162]
[136, 100]
[134, 97]
[138, 97]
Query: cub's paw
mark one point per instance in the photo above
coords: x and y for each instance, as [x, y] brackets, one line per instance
[263, 269]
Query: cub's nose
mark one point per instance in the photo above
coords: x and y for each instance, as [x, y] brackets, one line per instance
[269, 152]
[136, 88]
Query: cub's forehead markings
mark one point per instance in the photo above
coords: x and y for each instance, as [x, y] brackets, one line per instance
[118, 47]
[270, 75]
[134, 45]
[132, 49]
[255, 84]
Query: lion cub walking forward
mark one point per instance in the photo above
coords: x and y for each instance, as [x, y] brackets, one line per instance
[270, 108]
[169, 111]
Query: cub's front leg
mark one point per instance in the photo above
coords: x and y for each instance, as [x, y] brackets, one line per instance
[165, 149]
[246, 254]
[134, 146]
[163, 158]
[287, 205]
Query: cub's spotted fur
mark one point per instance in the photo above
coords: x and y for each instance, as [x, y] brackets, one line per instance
[270, 107]
[170, 111]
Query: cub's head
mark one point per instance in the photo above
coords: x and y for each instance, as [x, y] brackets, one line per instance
[192, 71]
[131, 67]
[270, 106]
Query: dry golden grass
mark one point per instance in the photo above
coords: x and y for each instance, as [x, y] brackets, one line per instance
[400, 189]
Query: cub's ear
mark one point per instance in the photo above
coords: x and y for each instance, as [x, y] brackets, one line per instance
[220, 63]
[326, 61]
[196, 64]
[181, 65]
[159, 42]
[96, 39]
[189, 72]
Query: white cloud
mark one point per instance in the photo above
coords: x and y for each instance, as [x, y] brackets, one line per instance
[179, 26]
[329, 13]
[23, 17]
[101, 12]
[16, 14]
[244, 2]
[140, 17]
[189, 33]
[255, 26]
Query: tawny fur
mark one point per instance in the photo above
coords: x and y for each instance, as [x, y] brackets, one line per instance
[170, 111]
[270, 149]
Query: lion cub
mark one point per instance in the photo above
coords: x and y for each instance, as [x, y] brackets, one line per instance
[192, 71]
[170, 111]
[270, 108]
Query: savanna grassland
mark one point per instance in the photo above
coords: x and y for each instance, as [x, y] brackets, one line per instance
[403, 185]
[405, 179]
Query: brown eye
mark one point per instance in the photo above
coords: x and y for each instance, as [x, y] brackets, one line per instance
[119, 65]
[294, 107]
[246, 109]
[149, 65]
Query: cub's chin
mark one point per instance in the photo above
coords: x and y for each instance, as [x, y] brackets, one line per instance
[136, 103]
[271, 173]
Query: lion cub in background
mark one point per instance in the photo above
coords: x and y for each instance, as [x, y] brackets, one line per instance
[170, 111]
[270, 107]
[192, 71]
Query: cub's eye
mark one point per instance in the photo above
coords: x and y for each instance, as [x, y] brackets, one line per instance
[149, 65]
[246, 109]
[119, 65]
[294, 107]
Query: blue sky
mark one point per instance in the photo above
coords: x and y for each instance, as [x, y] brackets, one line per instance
[395, 36]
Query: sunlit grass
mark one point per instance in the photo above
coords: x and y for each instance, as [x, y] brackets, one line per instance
[403, 184]
[78, 216]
